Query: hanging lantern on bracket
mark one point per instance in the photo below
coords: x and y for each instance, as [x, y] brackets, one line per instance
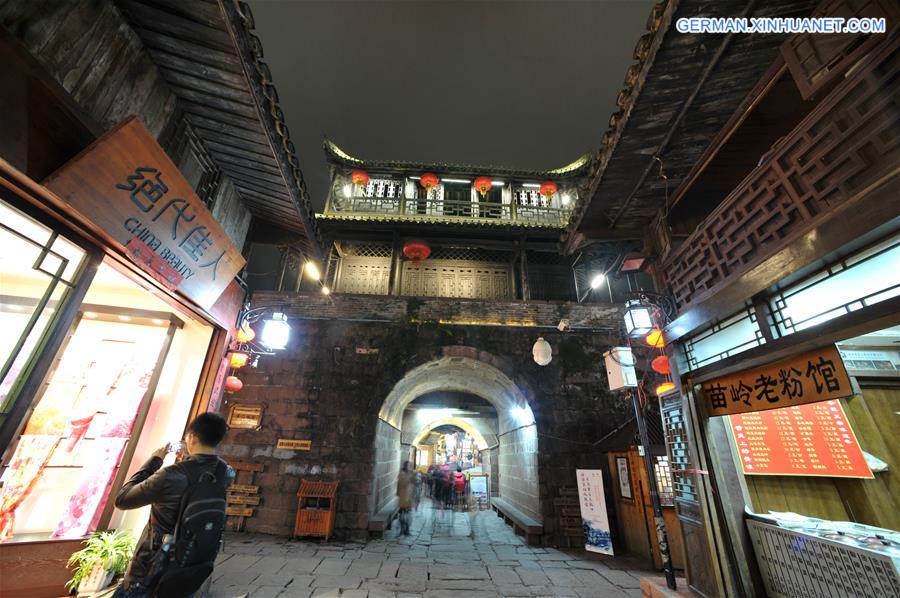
[548, 190]
[660, 365]
[416, 251]
[664, 388]
[655, 339]
[360, 178]
[483, 185]
[244, 334]
[542, 352]
[233, 384]
[429, 181]
[239, 359]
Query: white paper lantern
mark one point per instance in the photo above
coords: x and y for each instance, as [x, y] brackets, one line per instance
[542, 352]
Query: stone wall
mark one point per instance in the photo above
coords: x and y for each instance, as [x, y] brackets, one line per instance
[345, 355]
[385, 467]
[518, 479]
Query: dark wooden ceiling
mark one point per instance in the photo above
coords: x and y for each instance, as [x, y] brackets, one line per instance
[206, 52]
[689, 85]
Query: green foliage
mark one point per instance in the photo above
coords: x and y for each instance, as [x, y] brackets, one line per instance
[113, 549]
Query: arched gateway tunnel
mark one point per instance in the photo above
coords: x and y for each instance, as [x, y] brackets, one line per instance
[366, 380]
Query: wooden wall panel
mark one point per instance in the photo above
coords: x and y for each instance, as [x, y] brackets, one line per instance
[364, 275]
[451, 278]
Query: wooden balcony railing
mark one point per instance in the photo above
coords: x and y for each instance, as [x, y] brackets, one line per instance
[848, 144]
[449, 210]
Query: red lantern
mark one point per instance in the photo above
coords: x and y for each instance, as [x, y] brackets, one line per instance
[360, 178]
[233, 384]
[239, 359]
[548, 189]
[483, 185]
[416, 251]
[655, 339]
[660, 365]
[244, 335]
[429, 180]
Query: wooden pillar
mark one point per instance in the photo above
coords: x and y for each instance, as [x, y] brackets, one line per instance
[523, 270]
[396, 263]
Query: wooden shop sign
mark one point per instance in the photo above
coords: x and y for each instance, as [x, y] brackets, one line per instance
[243, 500]
[294, 445]
[245, 416]
[243, 488]
[239, 511]
[811, 377]
[126, 184]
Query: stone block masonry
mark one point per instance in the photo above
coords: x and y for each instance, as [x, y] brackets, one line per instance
[346, 354]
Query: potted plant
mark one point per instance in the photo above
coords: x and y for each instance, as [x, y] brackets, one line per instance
[105, 555]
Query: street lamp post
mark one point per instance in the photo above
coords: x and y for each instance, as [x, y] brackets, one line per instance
[640, 414]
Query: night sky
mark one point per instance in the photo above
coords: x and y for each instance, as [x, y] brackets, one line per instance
[519, 84]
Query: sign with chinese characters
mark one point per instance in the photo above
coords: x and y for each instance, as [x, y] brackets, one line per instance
[245, 416]
[594, 519]
[806, 440]
[294, 445]
[127, 186]
[815, 376]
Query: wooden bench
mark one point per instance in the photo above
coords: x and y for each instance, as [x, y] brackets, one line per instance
[381, 521]
[526, 526]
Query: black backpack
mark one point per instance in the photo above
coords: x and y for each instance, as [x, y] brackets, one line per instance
[187, 558]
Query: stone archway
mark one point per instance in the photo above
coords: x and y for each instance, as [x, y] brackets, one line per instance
[517, 444]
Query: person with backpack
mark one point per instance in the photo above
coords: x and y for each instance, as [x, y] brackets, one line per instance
[178, 548]
[459, 489]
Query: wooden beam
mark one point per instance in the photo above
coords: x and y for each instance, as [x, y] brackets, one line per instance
[177, 26]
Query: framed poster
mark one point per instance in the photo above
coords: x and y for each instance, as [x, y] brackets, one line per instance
[594, 519]
[478, 487]
[624, 478]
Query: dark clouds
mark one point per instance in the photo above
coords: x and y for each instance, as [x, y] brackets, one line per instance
[518, 84]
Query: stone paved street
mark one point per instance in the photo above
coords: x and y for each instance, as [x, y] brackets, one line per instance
[469, 555]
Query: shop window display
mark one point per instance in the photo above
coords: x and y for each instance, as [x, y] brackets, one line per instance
[38, 267]
[86, 423]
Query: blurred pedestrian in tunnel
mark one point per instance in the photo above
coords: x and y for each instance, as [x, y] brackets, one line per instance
[406, 486]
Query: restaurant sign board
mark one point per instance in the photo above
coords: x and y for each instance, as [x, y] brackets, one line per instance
[127, 186]
[810, 377]
[805, 440]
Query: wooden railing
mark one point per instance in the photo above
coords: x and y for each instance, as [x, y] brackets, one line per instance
[449, 210]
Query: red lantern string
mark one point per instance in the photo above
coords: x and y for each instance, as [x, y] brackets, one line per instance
[360, 178]
[660, 365]
[483, 185]
[429, 180]
[548, 189]
[416, 251]
[233, 384]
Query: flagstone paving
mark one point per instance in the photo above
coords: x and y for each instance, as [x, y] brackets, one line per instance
[469, 555]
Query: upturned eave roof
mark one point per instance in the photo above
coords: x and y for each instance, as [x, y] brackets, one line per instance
[336, 156]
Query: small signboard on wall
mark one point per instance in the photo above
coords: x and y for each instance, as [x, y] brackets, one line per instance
[594, 519]
[294, 445]
[245, 416]
[810, 377]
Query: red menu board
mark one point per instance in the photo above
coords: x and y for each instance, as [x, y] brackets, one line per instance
[808, 440]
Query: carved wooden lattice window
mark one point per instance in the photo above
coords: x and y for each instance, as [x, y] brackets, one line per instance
[364, 275]
[816, 59]
[440, 278]
[683, 484]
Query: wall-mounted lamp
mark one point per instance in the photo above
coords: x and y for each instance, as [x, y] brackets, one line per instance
[638, 318]
[276, 332]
